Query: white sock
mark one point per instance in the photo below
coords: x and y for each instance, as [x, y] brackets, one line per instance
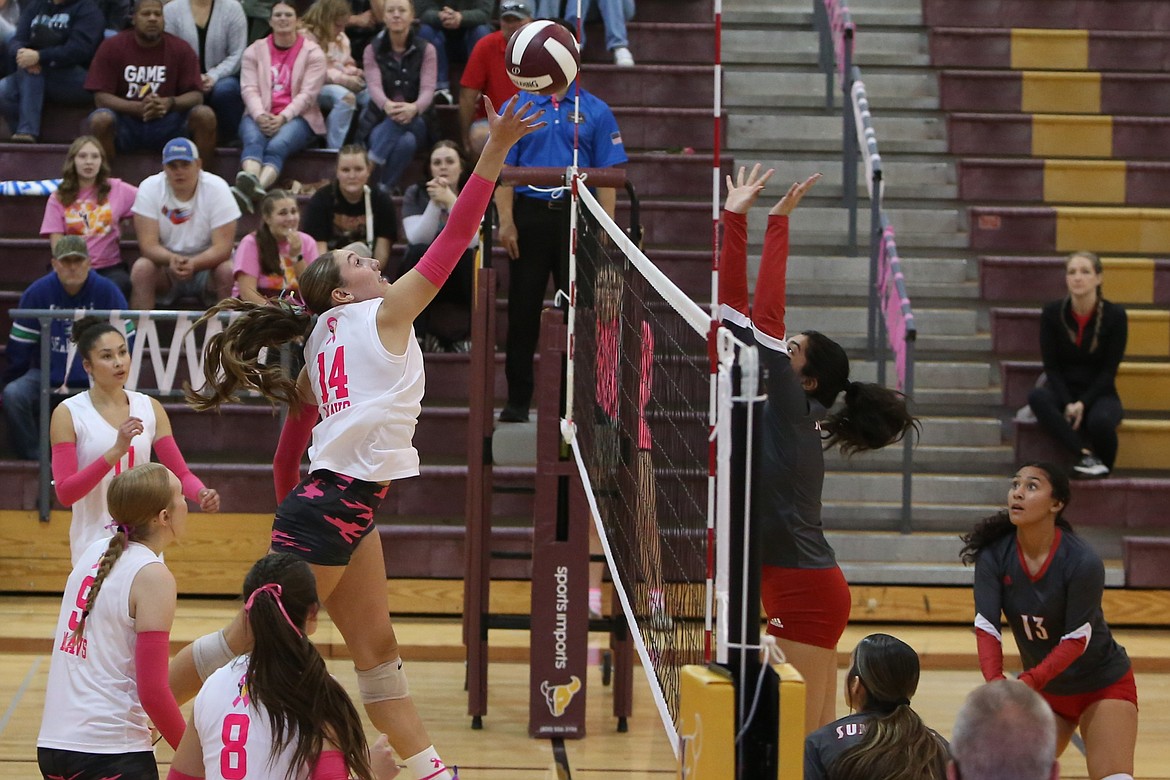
[426, 765]
[1118, 776]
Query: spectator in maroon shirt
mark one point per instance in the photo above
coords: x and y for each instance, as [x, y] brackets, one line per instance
[148, 88]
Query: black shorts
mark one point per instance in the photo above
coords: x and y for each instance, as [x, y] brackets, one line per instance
[325, 517]
[56, 763]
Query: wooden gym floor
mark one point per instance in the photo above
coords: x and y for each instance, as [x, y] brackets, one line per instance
[502, 749]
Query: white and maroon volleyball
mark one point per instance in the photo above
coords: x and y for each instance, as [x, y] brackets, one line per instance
[542, 57]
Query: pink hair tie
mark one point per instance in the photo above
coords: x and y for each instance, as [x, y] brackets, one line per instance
[116, 526]
[275, 589]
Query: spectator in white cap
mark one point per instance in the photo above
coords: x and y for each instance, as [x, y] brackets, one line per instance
[185, 219]
[72, 284]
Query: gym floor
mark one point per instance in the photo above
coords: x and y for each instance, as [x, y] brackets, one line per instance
[502, 749]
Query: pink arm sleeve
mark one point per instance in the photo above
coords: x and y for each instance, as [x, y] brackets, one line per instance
[733, 288]
[1061, 657]
[373, 79]
[771, 288]
[330, 766]
[444, 253]
[294, 438]
[169, 456]
[72, 484]
[151, 654]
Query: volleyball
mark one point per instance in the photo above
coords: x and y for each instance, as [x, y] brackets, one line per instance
[542, 57]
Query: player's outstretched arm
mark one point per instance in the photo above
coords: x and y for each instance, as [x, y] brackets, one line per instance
[405, 299]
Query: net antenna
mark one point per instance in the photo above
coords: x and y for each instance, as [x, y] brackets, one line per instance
[649, 429]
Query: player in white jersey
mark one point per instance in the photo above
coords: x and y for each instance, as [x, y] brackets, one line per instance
[364, 380]
[108, 429]
[249, 722]
[108, 673]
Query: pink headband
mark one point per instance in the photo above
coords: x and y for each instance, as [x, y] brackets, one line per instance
[275, 590]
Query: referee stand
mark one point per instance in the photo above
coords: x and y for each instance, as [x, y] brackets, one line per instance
[559, 619]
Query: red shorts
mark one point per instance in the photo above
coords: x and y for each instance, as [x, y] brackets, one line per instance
[1071, 707]
[810, 606]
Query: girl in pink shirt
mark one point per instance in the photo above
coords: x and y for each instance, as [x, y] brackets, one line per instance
[89, 203]
[269, 261]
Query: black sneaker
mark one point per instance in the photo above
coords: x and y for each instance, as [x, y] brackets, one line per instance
[443, 97]
[514, 414]
[1090, 466]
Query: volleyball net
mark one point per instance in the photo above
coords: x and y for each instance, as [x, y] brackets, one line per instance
[642, 416]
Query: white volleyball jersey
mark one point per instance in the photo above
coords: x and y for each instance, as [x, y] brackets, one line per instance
[369, 398]
[234, 732]
[94, 437]
[92, 703]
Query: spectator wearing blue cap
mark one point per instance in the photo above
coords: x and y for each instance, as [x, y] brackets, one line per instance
[148, 88]
[185, 219]
[72, 284]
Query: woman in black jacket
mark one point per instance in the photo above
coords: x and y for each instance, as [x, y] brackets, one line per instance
[1082, 341]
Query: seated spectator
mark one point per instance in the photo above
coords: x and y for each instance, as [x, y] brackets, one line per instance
[614, 15]
[1004, 729]
[185, 218]
[344, 92]
[425, 208]
[453, 27]
[72, 284]
[218, 34]
[883, 739]
[269, 260]
[90, 203]
[1082, 342]
[147, 88]
[281, 79]
[349, 210]
[53, 44]
[486, 74]
[365, 21]
[400, 71]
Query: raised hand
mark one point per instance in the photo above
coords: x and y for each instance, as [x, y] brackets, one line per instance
[743, 191]
[513, 122]
[791, 199]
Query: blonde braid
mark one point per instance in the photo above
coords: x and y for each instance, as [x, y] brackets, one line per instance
[109, 558]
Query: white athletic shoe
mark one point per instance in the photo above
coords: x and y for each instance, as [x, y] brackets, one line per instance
[622, 57]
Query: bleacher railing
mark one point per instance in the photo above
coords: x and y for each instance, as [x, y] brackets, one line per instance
[165, 356]
[890, 318]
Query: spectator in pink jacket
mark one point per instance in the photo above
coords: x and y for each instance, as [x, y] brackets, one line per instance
[280, 80]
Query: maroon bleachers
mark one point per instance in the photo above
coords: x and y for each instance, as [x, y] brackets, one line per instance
[1038, 279]
[991, 47]
[1057, 14]
[985, 134]
[1022, 180]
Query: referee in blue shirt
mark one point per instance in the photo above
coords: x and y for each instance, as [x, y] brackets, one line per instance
[534, 224]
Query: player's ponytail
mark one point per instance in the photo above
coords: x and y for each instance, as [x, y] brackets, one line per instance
[991, 529]
[230, 357]
[287, 676]
[872, 416]
[897, 745]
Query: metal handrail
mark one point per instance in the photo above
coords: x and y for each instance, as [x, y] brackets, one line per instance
[890, 318]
